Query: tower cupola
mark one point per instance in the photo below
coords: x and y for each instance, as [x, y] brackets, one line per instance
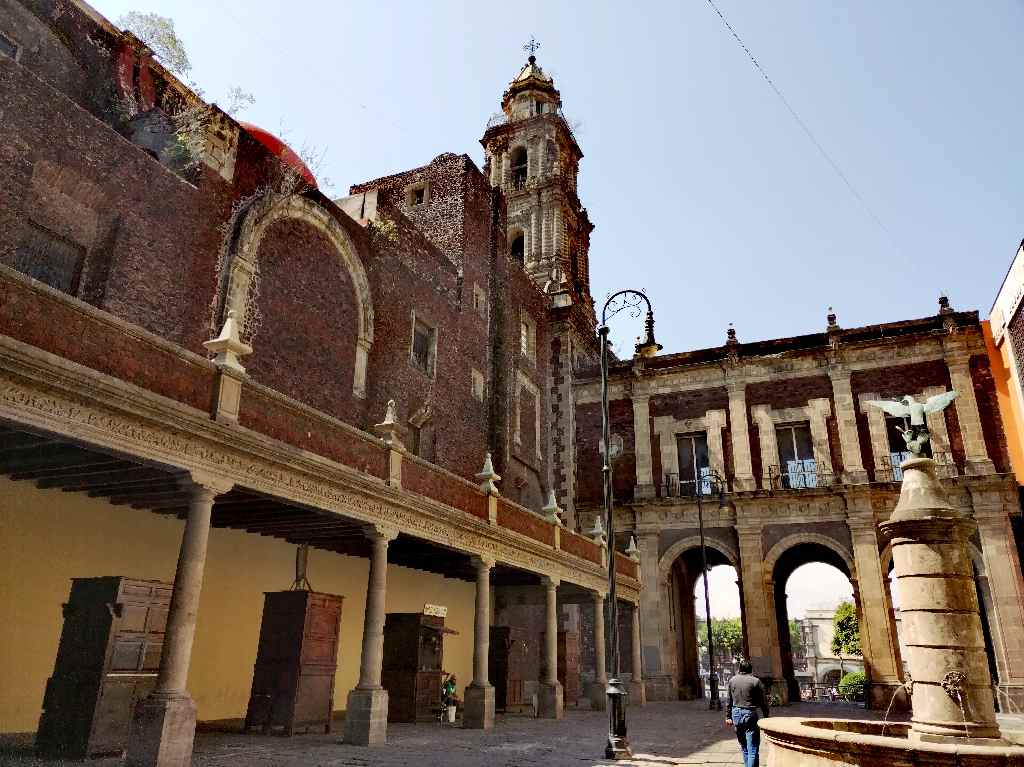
[531, 93]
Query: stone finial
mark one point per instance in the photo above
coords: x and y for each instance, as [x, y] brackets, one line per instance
[631, 550]
[832, 329]
[487, 477]
[730, 336]
[944, 307]
[597, 532]
[552, 511]
[946, 312]
[831, 319]
[732, 346]
[389, 429]
[228, 345]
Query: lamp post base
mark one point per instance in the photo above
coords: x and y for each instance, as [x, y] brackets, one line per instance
[617, 746]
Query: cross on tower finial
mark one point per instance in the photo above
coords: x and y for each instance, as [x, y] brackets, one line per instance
[532, 47]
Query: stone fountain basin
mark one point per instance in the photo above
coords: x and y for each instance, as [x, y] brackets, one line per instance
[828, 742]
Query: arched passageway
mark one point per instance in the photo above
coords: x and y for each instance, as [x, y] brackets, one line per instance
[688, 616]
[785, 568]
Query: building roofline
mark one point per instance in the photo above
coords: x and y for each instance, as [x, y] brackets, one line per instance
[1009, 269]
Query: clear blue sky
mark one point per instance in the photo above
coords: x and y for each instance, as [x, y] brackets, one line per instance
[703, 188]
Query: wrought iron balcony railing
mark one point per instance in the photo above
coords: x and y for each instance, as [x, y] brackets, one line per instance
[889, 469]
[799, 475]
[708, 485]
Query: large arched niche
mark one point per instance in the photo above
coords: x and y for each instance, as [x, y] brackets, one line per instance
[242, 264]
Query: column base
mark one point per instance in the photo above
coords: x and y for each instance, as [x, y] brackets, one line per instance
[550, 702]
[478, 713]
[163, 731]
[881, 695]
[662, 687]
[637, 694]
[855, 477]
[644, 492]
[597, 693]
[979, 468]
[366, 717]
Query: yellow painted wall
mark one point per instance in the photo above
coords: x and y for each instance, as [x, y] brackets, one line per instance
[48, 537]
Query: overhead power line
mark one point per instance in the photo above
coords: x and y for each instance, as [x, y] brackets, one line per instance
[821, 149]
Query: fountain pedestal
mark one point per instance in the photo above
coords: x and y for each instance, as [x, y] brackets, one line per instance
[952, 687]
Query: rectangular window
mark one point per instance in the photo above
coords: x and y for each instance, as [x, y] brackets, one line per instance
[797, 467]
[528, 338]
[418, 196]
[898, 452]
[477, 384]
[8, 47]
[694, 469]
[424, 347]
[49, 258]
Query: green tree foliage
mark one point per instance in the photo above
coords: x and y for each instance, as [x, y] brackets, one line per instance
[795, 642]
[845, 630]
[851, 686]
[727, 634]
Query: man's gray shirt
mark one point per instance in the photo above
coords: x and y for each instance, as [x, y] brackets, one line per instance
[747, 691]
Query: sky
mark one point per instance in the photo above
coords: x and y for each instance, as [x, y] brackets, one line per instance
[705, 190]
[812, 586]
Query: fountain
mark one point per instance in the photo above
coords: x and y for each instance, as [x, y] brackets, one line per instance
[954, 720]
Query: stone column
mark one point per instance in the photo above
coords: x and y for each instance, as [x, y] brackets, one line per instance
[820, 409]
[164, 723]
[714, 421]
[479, 713]
[642, 438]
[1006, 590]
[551, 700]
[599, 689]
[769, 444]
[952, 695]
[846, 419]
[366, 716]
[654, 615]
[637, 694]
[878, 642]
[759, 606]
[743, 478]
[978, 461]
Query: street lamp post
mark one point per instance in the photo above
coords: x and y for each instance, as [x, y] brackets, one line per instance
[714, 701]
[617, 746]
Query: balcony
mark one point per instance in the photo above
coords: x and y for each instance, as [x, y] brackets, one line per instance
[802, 474]
[711, 483]
[889, 469]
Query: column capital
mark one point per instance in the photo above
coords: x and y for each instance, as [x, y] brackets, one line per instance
[482, 563]
[839, 372]
[598, 596]
[380, 532]
[198, 481]
[549, 582]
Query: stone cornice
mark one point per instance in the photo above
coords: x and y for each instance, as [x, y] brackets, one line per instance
[46, 392]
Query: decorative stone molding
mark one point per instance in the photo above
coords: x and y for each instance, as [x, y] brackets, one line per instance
[814, 414]
[228, 347]
[240, 262]
[780, 548]
[668, 429]
[677, 549]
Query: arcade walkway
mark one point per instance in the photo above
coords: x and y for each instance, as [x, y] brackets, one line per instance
[665, 733]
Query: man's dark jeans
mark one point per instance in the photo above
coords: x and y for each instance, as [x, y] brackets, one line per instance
[748, 734]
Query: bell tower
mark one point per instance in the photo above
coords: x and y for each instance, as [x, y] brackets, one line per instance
[532, 155]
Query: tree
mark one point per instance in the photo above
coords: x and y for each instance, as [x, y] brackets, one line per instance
[851, 686]
[796, 643]
[158, 33]
[845, 630]
[727, 634]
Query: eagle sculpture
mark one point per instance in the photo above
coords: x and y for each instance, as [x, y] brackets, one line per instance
[916, 436]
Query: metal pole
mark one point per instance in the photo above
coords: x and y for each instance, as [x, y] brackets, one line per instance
[714, 702]
[617, 746]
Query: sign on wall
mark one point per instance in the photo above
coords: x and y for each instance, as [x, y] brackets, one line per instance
[438, 611]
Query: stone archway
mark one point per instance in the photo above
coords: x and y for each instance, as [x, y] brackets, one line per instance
[781, 561]
[241, 266]
[680, 568]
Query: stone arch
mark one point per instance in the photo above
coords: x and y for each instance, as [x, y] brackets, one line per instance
[780, 548]
[728, 550]
[241, 266]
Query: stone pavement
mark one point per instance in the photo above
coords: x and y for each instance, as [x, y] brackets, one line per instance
[662, 735]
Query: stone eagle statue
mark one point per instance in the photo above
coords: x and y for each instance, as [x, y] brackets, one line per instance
[916, 436]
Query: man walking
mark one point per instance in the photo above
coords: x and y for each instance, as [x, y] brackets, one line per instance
[746, 696]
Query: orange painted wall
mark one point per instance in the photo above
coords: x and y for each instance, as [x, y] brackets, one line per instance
[1009, 404]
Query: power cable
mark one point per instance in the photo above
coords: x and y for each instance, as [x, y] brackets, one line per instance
[828, 158]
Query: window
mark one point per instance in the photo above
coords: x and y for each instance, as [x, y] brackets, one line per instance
[477, 384]
[898, 452]
[417, 194]
[518, 249]
[8, 47]
[519, 168]
[540, 107]
[480, 300]
[424, 346]
[694, 469]
[49, 258]
[528, 338]
[797, 467]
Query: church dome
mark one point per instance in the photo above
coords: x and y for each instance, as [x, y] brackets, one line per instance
[281, 150]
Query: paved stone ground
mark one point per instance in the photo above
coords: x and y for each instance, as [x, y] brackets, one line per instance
[662, 735]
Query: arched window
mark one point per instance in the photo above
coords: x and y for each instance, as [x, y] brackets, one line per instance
[517, 249]
[519, 167]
